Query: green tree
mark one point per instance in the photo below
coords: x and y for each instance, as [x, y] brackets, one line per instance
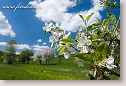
[1, 55]
[25, 55]
[10, 51]
[16, 57]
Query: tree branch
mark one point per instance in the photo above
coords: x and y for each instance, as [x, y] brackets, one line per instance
[112, 72]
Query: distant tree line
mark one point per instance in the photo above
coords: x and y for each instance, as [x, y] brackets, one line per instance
[9, 55]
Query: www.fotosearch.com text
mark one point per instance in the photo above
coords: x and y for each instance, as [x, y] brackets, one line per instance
[20, 6]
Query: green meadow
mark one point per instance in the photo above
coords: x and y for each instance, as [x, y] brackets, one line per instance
[66, 70]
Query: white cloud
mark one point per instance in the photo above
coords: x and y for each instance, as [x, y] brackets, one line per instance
[5, 27]
[18, 46]
[3, 43]
[37, 47]
[39, 40]
[23, 46]
[44, 43]
[17, 52]
[55, 10]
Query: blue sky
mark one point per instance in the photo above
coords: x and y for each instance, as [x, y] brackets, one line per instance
[25, 25]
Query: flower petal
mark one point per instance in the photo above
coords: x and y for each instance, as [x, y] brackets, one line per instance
[46, 24]
[102, 64]
[48, 29]
[110, 60]
[89, 42]
[110, 66]
[57, 25]
[51, 38]
[52, 45]
[44, 28]
[50, 24]
[70, 49]
[85, 38]
[66, 55]
[69, 33]
[85, 49]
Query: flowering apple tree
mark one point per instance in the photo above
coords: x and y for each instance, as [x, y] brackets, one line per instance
[98, 45]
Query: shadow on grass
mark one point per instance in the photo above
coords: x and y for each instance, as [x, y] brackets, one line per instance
[50, 64]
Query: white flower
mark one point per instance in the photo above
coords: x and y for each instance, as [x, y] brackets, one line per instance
[82, 34]
[66, 51]
[48, 27]
[117, 33]
[66, 54]
[57, 45]
[56, 25]
[66, 35]
[55, 37]
[109, 63]
[81, 29]
[83, 44]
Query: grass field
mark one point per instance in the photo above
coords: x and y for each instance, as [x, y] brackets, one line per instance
[67, 70]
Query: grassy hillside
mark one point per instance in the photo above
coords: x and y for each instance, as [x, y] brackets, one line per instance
[66, 70]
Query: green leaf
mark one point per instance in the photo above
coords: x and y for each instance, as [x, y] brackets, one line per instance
[81, 17]
[89, 27]
[94, 37]
[89, 16]
[98, 20]
[58, 29]
[77, 36]
[107, 8]
[112, 18]
[85, 23]
[96, 25]
[101, 52]
[118, 24]
[106, 2]
[104, 51]
[45, 32]
[60, 49]
[95, 71]
[85, 57]
[96, 55]
[111, 3]
[68, 41]
[93, 26]
[105, 22]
